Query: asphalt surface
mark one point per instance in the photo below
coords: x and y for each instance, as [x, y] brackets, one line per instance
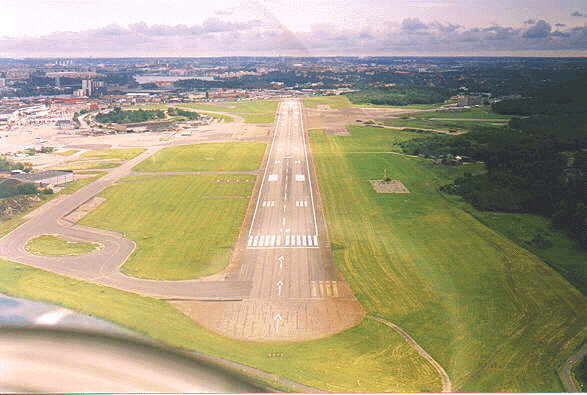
[281, 285]
[102, 266]
[296, 292]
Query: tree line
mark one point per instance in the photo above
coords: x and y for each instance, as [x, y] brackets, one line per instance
[537, 164]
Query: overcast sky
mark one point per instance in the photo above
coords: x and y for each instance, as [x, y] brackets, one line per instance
[39, 28]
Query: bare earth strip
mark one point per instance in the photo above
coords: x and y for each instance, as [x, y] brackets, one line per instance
[446, 383]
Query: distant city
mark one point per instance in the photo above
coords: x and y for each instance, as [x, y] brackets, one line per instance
[52, 91]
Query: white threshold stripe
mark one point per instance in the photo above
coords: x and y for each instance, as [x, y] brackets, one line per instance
[288, 241]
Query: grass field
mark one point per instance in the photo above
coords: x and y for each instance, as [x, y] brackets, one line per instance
[494, 315]
[463, 125]
[222, 117]
[374, 139]
[367, 358]
[206, 157]
[342, 101]
[8, 225]
[339, 101]
[52, 245]
[474, 113]
[564, 255]
[68, 152]
[225, 118]
[71, 187]
[114, 154]
[83, 165]
[184, 226]
[260, 111]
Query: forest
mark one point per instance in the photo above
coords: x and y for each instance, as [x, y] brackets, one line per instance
[129, 116]
[399, 96]
[537, 164]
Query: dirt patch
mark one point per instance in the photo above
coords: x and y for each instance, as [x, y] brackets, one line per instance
[84, 209]
[393, 186]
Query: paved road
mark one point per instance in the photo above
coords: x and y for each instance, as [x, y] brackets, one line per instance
[566, 371]
[446, 383]
[296, 293]
[102, 266]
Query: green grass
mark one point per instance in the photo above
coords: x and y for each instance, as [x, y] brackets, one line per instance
[367, 358]
[564, 254]
[184, 226]
[206, 157]
[342, 101]
[73, 186]
[374, 139]
[261, 111]
[82, 165]
[580, 373]
[68, 152]
[438, 125]
[53, 245]
[259, 118]
[339, 101]
[474, 113]
[9, 224]
[406, 107]
[114, 154]
[225, 118]
[493, 314]
[222, 117]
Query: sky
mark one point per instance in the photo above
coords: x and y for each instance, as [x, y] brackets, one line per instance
[120, 28]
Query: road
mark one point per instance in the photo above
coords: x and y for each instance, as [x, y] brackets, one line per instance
[102, 266]
[566, 371]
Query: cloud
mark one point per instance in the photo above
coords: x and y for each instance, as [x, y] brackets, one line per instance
[413, 25]
[217, 37]
[579, 14]
[540, 29]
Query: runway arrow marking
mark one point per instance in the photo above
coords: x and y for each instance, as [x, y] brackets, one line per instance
[278, 320]
[281, 259]
[279, 285]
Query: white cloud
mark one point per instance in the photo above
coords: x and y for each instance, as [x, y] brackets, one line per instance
[216, 36]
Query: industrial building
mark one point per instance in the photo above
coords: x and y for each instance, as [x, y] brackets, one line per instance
[46, 178]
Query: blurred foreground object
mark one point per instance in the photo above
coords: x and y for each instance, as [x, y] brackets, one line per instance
[43, 360]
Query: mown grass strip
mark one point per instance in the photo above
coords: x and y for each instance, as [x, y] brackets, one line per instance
[184, 226]
[54, 245]
[367, 358]
[206, 157]
[123, 154]
[492, 314]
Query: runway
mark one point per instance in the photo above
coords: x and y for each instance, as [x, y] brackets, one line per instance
[281, 285]
[297, 293]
